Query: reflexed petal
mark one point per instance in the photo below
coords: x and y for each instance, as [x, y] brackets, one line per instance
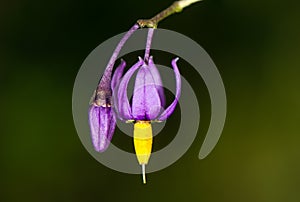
[145, 102]
[171, 108]
[123, 106]
[102, 125]
[118, 74]
[157, 81]
[115, 82]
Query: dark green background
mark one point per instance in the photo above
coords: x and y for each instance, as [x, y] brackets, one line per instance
[255, 44]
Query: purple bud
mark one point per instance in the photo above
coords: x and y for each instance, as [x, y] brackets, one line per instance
[102, 125]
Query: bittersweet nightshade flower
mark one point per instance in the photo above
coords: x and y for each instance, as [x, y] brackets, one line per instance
[102, 119]
[148, 93]
[147, 101]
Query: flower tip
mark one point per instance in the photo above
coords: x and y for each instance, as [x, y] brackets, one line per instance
[150, 61]
[102, 142]
[101, 150]
[100, 145]
[176, 59]
[122, 64]
[140, 59]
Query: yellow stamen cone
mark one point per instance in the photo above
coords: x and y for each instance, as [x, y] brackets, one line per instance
[142, 138]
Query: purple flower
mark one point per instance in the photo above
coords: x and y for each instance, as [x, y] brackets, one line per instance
[102, 119]
[148, 95]
[147, 102]
[147, 105]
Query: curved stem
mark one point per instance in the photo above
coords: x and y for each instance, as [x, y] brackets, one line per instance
[176, 7]
[106, 78]
[148, 44]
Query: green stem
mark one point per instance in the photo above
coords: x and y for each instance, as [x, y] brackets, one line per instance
[176, 7]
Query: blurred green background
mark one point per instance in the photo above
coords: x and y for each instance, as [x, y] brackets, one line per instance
[256, 46]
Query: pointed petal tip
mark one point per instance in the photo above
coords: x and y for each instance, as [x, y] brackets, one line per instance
[123, 61]
[122, 64]
[102, 145]
[175, 60]
[100, 149]
[150, 61]
[140, 59]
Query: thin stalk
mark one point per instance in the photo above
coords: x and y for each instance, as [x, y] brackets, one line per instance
[176, 7]
[148, 44]
[106, 78]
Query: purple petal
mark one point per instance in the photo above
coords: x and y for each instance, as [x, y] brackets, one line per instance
[123, 106]
[115, 82]
[171, 108]
[117, 75]
[145, 102]
[102, 125]
[157, 81]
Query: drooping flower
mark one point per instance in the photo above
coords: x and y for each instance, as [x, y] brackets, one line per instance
[148, 93]
[147, 101]
[102, 119]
